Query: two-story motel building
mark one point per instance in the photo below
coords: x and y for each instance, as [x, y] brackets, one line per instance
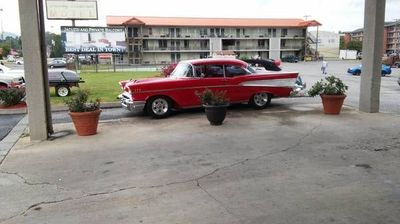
[161, 40]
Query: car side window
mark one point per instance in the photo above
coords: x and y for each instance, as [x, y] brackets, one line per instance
[233, 70]
[189, 71]
[214, 71]
[199, 71]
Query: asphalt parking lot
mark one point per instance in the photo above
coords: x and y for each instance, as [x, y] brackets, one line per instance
[390, 90]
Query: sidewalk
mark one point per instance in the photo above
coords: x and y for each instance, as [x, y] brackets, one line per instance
[287, 164]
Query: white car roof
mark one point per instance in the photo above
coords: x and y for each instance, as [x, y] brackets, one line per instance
[4, 68]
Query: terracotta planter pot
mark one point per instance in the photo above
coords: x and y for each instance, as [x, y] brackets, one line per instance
[215, 114]
[332, 103]
[85, 122]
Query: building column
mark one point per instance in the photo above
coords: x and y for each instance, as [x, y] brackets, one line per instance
[275, 48]
[35, 66]
[374, 17]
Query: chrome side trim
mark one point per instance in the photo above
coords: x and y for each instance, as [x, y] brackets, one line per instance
[289, 83]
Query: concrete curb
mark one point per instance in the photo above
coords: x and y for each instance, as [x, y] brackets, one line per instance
[9, 141]
[54, 108]
[103, 105]
[13, 111]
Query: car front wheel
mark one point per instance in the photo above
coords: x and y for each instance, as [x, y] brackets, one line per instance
[62, 91]
[260, 100]
[159, 107]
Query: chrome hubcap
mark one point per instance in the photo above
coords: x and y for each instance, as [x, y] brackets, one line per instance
[62, 91]
[159, 106]
[260, 99]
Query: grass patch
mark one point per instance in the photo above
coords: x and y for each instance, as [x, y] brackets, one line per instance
[103, 85]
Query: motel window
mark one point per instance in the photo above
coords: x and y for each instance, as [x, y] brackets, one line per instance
[203, 44]
[284, 32]
[283, 43]
[145, 44]
[186, 44]
[261, 43]
[212, 34]
[172, 32]
[130, 32]
[203, 32]
[162, 44]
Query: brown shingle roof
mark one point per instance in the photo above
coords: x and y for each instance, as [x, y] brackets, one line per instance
[207, 22]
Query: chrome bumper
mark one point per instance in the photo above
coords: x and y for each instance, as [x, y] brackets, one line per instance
[129, 104]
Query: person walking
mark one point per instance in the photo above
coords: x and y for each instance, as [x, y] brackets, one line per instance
[324, 67]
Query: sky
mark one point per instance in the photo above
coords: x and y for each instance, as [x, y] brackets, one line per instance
[335, 15]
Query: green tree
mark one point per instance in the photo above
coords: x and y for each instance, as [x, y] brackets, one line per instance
[355, 45]
[342, 45]
[58, 50]
[54, 42]
[6, 49]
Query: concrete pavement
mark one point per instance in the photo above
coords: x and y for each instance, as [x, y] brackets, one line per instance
[286, 164]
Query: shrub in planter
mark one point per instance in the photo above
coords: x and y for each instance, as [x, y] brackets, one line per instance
[85, 115]
[215, 104]
[11, 96]
[332, 91]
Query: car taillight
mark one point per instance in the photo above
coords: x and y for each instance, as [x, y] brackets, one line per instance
[277, 62]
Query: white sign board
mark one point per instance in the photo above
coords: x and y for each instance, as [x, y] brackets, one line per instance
[348, 54]
[78, 9]
[93, 39]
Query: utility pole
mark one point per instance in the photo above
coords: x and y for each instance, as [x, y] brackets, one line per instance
[1, 24]
[316, 46]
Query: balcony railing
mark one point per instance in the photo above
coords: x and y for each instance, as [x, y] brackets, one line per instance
[233, 36]
[286, 47]
[176, 49]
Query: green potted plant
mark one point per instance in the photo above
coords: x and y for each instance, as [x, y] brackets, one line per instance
[332, 91]
[84, 114]
[12, 97]
[215, 104]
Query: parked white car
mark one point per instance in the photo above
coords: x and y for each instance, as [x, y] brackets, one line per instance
[11, 78]
[19, 62]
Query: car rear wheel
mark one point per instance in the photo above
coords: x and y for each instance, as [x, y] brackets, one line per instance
[260, 100]
[62, 91]
[159, 107]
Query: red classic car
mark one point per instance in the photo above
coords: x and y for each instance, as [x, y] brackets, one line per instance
[158, 96]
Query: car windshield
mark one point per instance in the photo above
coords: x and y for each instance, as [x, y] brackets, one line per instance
[251, 70]
[182, 70]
